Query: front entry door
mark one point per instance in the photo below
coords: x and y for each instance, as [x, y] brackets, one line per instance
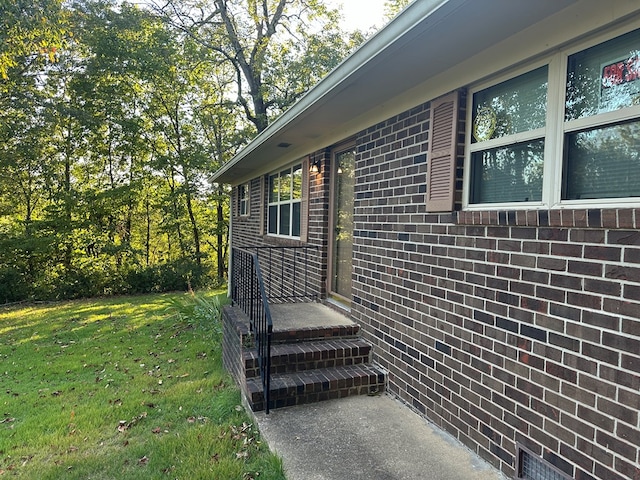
[343, 169]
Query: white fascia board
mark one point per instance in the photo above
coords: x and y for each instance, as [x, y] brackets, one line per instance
[393, 32]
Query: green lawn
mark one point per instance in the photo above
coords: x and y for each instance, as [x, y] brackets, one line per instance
[122, 388]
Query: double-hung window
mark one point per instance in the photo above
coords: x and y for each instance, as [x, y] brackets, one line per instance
[508, 139]
[563, 132]
[285, 202]
[602, 124]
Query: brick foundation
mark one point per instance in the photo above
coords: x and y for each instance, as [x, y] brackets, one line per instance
[235, 336]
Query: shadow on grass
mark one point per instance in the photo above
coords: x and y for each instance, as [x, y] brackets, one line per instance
[128, 387]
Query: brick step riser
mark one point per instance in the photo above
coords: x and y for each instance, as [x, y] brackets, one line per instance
[290, 401]
[310, 357]
[315, 334]
[299, 366]
[286, 396]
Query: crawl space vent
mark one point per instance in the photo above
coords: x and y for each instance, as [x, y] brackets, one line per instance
[532, 467]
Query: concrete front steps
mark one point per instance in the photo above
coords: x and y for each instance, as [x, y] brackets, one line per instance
[313, 359]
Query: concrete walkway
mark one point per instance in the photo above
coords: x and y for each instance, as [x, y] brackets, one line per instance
[372, 438]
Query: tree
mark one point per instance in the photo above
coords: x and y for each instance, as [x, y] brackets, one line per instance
[31, 30]
[393, 7]
[23, 140]
[265, 55]
[219, 122]
[146, 86]
[108, 136]
[277, 49]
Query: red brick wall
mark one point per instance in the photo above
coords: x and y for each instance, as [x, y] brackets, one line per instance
[502, 327]
[250, 231]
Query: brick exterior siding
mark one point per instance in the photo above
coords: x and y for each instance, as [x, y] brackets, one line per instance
[505, 328]
[250, 230]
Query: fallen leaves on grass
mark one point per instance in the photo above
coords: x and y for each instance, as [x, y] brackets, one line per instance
[162, 378]
[199, 418]
[123, 425]
[245, 438]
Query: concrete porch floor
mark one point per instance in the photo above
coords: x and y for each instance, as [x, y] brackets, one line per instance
[292, 316]
[367, 438]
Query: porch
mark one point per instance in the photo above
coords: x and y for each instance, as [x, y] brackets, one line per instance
[315, 354]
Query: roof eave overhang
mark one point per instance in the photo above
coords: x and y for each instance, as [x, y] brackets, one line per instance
[429, 37]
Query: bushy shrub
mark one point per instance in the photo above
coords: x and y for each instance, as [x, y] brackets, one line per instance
[200, 311]
[13, 285]
[91, 278]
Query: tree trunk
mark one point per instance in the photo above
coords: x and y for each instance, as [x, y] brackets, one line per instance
[194, 225]
[221, 260]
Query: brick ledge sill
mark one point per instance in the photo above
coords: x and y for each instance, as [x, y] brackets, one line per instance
[613, 218]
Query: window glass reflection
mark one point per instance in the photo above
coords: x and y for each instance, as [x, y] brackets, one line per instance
[604, 78]
[508, 174]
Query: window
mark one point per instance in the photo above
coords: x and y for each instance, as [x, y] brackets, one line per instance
[285, 202]
[243, 200]
[602, 146]
[516, 152]
[511, 118]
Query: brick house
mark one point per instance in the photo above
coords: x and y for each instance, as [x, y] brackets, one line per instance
[469, 180]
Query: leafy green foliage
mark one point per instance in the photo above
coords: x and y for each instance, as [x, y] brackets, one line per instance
[31, 29]
[106, 152]
[103, 165]
[127, 388]
[272, 51]
[394, 7]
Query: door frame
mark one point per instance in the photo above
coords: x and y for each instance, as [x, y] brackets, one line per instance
[333, 178]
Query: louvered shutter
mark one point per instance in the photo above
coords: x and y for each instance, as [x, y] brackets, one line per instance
[441, 163]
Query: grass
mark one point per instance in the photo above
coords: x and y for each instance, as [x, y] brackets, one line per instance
[123, 388]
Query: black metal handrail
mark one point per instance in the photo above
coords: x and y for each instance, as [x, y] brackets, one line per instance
[252, 294]
[247, 291]
[286, 272]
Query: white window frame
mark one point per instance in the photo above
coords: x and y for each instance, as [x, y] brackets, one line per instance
[553, 133]
[243, 200]
[291, 202]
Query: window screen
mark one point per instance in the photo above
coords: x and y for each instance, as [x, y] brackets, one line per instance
[511, 169]
[508, 174]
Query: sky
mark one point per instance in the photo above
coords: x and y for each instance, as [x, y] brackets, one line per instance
[360, 14]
